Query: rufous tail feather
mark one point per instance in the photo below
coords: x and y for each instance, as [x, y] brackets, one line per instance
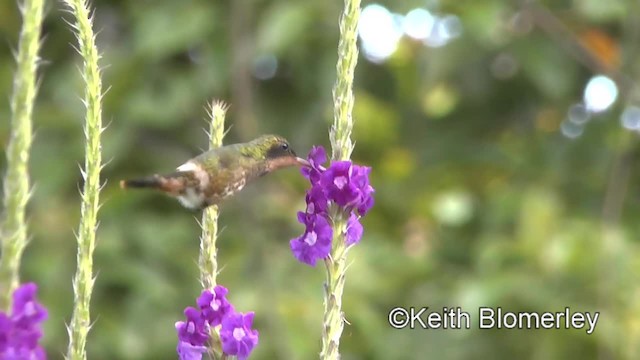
[173, 183]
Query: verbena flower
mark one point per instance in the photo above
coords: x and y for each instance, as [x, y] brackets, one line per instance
[360, 180]
[354, 230]
[315, 243]
[317, 202]
[213, 310]
[25, 309]
[336, 182]
[186, 351]
[237, 336]
[195, 330]
[20, 331]
[348, 186]
[343, 183]
[317, 157]
[214, 305]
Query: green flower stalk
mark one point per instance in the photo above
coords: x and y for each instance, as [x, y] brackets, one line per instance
[336, 271]
[340, 136]
[16, 184]
[83, 281]
[208, 260]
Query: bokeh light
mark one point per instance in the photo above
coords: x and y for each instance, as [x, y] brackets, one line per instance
[571, 129]
[418, 24]
[630, 118]
[379, 32]
[600, 93]
[265, 67]
[578, 114]
[445, 30]
[453, 208]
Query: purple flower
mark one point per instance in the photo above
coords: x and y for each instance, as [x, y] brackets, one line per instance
[345, 184]
[354, 230]
[337, 183]
[317, 157]
[5, 331]
[20, 331]
[237, 336]
[214, 305]
[23, 353]
[317, 202]
[186, 351]
[194, 330]
[315, 243]
[26, 311]
[360, 179]
[348, 185]
[214, 309]
[22, 337]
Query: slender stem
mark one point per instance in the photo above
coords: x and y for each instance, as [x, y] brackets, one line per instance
[208, 261]
[340, 133]
[336, 271]
[83, 280]
[342, 147]
[16, 183]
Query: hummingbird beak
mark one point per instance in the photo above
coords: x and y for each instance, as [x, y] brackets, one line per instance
[302, 162]
[285, 161]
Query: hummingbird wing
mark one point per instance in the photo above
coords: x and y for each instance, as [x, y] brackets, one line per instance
[228, 169]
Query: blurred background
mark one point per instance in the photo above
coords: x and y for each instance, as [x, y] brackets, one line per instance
[503, 141]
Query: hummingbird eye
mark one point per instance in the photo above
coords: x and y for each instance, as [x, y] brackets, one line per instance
[279, 149]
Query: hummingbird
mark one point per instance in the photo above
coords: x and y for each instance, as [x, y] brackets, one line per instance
[213, 176]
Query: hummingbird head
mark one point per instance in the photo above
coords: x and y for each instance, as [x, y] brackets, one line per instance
[276, 152]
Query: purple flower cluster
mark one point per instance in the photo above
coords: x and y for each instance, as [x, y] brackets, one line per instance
[343, 183]
[236, 334]
[20, 331]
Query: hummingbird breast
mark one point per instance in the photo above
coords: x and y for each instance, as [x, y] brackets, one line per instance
[210, 185]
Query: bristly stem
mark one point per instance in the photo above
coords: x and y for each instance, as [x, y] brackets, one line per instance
[340, 136]
[16, 184]
[340, 133]
[208, 261]
[83, 280]
[336, 271]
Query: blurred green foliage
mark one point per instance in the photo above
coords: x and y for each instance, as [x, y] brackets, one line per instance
[481, 200]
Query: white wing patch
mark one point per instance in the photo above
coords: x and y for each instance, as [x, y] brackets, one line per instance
[198, 172]
[188, 166]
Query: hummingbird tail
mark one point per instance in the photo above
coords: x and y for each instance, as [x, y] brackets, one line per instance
[152, 182]
[172, 183]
